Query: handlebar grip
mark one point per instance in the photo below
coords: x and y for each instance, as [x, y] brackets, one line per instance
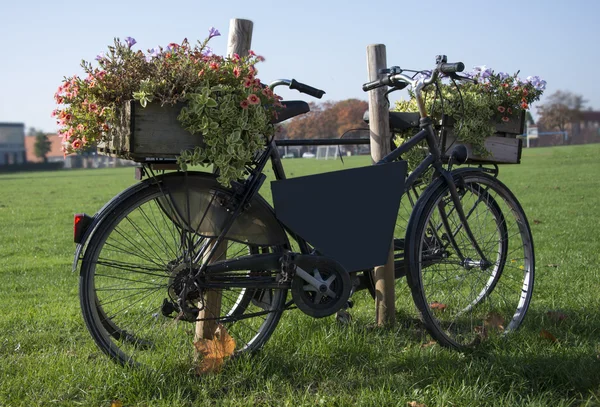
[452, 67]
[385, 81]
[309, 90]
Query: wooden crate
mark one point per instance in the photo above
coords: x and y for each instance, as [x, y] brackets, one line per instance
[504, 146]
[149, 134]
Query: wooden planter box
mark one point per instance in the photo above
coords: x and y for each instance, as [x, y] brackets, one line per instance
[504, 146]
[149, 134]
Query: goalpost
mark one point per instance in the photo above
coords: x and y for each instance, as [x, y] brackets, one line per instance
[327, 152]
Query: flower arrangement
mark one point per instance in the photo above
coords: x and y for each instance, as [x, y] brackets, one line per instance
[485, 98]
[224, 100]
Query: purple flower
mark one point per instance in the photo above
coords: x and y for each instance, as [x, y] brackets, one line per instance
[213, 32]
[503, 76]
[537, 82]
[483, 71]
[130, 41]
[153, 53]
[207, 52]
[100, 56]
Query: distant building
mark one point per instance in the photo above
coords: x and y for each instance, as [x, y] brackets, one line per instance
[55, 153]
[12, 143]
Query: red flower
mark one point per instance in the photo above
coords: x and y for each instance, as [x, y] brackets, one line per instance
[505, 119]
[501, 109]
[524, 105]
[214, 66]
[253, 99]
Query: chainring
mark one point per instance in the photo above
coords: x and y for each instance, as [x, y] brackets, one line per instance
[330, 296]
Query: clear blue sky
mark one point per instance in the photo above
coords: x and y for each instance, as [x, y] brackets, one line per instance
[320, 42]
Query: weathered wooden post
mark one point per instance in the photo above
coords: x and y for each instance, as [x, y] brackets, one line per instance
[379, 126]
[240, 38]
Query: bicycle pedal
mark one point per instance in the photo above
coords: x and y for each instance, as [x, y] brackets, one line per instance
[343, 317]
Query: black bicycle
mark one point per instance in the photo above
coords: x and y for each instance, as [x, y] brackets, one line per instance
[178, 250]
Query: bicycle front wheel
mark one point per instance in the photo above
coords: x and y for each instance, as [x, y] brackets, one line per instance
[131, 277]
[466, 295]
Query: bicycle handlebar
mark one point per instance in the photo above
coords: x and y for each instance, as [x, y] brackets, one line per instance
[309, 90]
[393, 79]
[385, 81]
[452, 67]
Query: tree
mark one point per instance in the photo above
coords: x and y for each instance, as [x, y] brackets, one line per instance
[328, 120]
[42, 145]
[561, 109]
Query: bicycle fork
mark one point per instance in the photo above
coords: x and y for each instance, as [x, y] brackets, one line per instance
[467, 263]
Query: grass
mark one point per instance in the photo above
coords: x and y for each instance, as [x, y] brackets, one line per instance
[48, 358]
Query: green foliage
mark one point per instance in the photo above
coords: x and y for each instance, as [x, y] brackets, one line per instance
[478, 104]
[225, 103]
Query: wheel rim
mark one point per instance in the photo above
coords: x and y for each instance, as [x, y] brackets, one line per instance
[466, 301]
[131, 267]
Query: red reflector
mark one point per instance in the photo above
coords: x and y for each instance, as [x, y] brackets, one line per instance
[80, 224]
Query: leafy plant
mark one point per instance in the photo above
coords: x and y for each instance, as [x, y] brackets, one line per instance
[476, 104]
[225, 102]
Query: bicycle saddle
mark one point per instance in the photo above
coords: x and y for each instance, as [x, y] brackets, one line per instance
[399, 120]
[292, 108]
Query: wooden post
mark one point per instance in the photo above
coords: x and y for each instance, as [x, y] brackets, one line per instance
[212, 303]
[240, 38]
[379, 125]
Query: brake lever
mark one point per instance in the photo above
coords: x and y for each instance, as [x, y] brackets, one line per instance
[400, 86]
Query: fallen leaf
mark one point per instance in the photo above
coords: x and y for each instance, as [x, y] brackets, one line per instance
[547, 335]
[558, 316]
[495, 321]
[415, 404]
[438, 306]
[116, 403]
[214, 351]
[428, 344]
[537, 222]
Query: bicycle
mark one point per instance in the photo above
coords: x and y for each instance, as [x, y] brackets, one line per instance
[151, 256]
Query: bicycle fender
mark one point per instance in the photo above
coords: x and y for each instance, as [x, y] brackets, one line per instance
[101, 215]
[258, 204]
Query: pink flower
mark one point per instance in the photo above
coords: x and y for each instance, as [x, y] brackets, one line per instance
[214, 66]
[80, 127]
[248, 83]
[235, 57]
[509, 110]
[244, 104]
[201, 72]
[93, 107]
[76, 144]
[524, 105]
[501, 109]
[253, 99]
[251, 53]
[505, 119]
[237, 72]
[260, 58]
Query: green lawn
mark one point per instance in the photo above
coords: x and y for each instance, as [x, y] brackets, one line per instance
[47, 356]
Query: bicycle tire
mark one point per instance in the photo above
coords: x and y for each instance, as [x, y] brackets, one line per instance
[461, 307]
[139, 230]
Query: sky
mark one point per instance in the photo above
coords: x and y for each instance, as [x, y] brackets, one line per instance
[318, 42]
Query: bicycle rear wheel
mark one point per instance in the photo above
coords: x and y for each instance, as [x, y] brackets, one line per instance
[132, 271]
[462, 297]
